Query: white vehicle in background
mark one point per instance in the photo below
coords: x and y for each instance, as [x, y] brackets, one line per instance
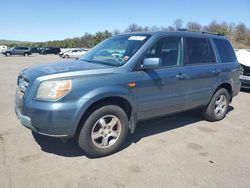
[74, 53]
[243, 57]
[3, 47]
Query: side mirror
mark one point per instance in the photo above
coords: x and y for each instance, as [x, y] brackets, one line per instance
[151, 63]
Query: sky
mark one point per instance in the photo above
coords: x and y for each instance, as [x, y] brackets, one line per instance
[42, 20]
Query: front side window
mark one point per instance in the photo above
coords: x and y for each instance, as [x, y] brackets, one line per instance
[197, 51]
[115, 51]
[225, 50]
[168, 49]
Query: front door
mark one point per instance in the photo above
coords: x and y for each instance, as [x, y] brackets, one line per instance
[163, 90]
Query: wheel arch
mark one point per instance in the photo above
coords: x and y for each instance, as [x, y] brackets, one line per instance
[121, 101]
[226, 86]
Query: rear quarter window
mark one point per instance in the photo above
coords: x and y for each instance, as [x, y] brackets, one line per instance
[225, 50]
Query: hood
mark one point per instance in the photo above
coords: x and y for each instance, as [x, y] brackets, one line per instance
[243, 57]
[62, 67]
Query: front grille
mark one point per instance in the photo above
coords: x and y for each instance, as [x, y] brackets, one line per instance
[22, 83]
[244, 85]
[245, 70]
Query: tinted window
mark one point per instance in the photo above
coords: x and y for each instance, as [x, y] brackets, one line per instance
[198, 51]
[225, 50]
[23, 48]
[168, 49]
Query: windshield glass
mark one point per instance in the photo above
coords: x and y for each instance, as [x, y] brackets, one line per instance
[115, 51]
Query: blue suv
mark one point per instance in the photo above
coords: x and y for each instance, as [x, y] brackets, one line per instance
[125, 79]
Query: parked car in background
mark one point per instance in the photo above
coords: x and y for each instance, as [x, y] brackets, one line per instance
[3, 47]
[100, 97]
[74, 53]
[35, 50]
[62, 52]
[243, 57]
[25, 51]
[50, 50]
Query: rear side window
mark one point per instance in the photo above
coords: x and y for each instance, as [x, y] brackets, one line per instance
[198, 51]
[225, 50]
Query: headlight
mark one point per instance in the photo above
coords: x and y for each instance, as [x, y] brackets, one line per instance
[53, 89]
[241, 69]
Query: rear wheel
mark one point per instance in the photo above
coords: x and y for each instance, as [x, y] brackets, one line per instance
[104, 132]
[218, 106]
[66, 56]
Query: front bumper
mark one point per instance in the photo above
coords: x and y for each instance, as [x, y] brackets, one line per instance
[245, 83]
[26, 122]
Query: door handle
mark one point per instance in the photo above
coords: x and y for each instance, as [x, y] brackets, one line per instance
[182, 76]
[216, 72]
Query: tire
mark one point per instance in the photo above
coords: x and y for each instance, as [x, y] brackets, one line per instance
[66, 56]
[218, 106]
[26, 54]
[8, 54]
[98, 137]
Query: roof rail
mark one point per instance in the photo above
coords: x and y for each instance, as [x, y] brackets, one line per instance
[207, 32]
[182, 29]
[212, 33]
[203, 32]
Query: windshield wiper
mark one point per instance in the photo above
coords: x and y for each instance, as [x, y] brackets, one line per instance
[100, 62]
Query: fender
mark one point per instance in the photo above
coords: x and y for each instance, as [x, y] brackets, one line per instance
[105, 92]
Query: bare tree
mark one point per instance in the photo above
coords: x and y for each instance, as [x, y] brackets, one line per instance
[241, 31]
[116, 32]
[146, 28]
[193, 26]
[178, 23]
[154, 28]
[134, 28]
[170, 28]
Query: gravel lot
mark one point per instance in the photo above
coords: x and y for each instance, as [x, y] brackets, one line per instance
[177, 151]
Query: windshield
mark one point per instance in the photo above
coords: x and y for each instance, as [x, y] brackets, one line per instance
[115, 51]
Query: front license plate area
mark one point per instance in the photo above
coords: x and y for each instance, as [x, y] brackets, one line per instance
[244, 77]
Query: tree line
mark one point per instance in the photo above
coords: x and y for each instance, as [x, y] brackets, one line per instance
[239, 34]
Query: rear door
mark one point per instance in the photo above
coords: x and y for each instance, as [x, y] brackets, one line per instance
[203, 70]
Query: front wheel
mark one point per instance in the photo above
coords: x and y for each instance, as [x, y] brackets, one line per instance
[104, 131]
[8, 54]
[218, 106]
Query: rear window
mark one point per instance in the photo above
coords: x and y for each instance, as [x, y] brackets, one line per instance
[225, 50]
[198, 51]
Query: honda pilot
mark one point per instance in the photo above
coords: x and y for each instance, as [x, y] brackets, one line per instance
[125, 79]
